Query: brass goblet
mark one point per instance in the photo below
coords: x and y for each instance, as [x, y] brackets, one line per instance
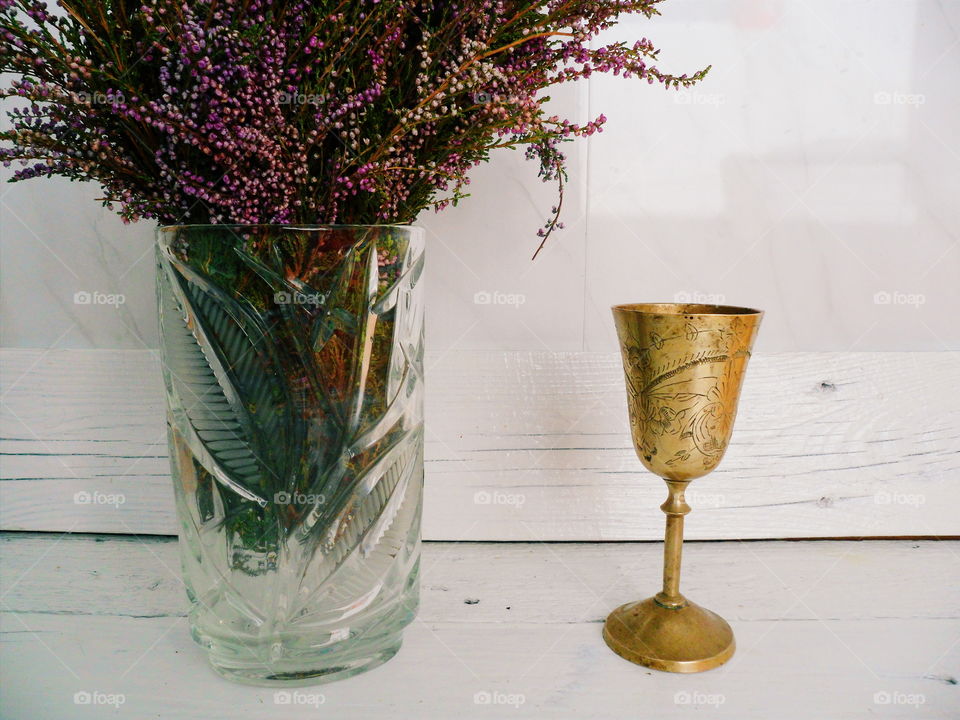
[684, 365]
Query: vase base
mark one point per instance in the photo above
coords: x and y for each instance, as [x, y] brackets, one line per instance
[306, 668]
[306, 653]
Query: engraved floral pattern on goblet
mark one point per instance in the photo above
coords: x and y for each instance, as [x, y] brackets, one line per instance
[683, 385]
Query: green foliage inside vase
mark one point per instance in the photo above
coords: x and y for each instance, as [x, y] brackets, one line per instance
[289, 373]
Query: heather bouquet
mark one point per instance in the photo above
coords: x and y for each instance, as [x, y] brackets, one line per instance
[319, 111]
[286, 147]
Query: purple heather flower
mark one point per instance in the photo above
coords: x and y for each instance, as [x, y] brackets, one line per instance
[259, 111]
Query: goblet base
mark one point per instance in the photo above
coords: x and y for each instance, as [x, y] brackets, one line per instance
[684, 639]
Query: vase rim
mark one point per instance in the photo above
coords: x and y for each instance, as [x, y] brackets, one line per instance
[291, 226]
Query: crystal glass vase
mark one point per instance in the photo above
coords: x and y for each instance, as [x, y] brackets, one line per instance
[293, 364]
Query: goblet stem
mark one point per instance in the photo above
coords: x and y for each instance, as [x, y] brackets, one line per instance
[675, 508]
[667, 631]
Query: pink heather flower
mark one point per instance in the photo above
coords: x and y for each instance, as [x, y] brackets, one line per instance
[302, 111]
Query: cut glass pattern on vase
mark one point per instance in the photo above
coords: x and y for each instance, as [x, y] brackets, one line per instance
[293, 361]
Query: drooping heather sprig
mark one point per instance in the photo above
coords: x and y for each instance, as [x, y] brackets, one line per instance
[299, 111]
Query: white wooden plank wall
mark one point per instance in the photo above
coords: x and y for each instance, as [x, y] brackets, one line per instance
[532, 446]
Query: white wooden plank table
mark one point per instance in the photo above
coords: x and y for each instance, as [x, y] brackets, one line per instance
[826, 629]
